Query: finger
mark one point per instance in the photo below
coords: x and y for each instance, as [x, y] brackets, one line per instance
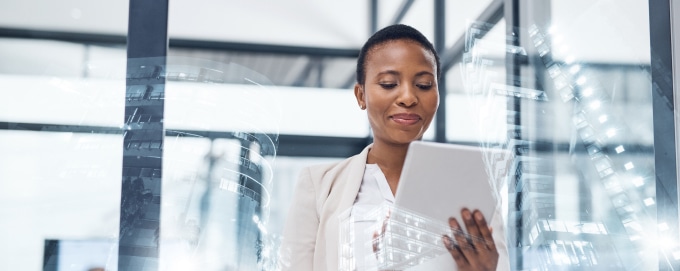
[455, 252]
[461, 240]
[384, 224]
[375, 242]
[485, 230]
[377, 234]
[472, 229]
[488, 255]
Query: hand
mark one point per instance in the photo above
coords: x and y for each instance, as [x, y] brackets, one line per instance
[476, 251]
[378, 234]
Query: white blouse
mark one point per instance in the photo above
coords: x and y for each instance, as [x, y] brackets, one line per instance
[374, 192]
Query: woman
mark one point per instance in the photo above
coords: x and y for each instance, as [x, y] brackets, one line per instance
[397, 73]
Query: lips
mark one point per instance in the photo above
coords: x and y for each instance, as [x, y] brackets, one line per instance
[406, 118]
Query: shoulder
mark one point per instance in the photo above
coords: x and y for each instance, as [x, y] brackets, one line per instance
[326, 178]
[323, 170]
[330, 171]
[326, 183]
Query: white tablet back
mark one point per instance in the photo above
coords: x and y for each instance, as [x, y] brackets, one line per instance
[438, 180]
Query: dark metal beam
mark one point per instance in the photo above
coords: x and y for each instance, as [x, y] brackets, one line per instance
[440, 45]
[373, 17]
[301, 145]
[509, 9]
[263, 48]
[106, 39]
[295, 145]
[306, 71]
[47, 127]
[147, 48]
[350, 81]
[401, 12]
[665, 149]
[320, 146]
[492, 14]
[89, 38]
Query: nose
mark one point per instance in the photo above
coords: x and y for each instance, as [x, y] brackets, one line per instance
[407, 97]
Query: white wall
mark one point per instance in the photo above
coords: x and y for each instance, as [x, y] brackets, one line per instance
[334, 24]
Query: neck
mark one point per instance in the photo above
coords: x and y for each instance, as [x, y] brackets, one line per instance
[390, 159]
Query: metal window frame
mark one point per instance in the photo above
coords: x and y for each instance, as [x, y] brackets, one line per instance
[178, 43]
[147, 49]
[665, 48]
[675, 41]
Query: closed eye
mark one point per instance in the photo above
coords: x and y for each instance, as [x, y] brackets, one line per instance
[424, 86]
[388, 85]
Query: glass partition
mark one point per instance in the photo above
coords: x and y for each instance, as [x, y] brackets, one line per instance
[190, 163]
[578, 89]
[61, 141]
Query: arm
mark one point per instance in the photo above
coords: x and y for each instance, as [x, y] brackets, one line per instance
[302, 223]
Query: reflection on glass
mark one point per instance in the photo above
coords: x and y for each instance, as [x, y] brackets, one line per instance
[600, 131]
[219, 152]
[582, 194]
[577, 117]
[60, 168]
[58, 186]
[406, 239]
[89, 255]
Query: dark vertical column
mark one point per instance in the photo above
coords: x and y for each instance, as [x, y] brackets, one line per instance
[512, 61]
[512, 71]
[143, 135]
[373, 20]
[51, 255]
[664, 125]
[249, 236]
[440, 46]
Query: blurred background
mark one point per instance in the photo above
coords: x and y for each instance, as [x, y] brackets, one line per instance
[168, 135]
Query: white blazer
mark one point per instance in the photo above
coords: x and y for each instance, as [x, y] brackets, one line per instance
[323, 195]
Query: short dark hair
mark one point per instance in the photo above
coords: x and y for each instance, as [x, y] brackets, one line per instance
[391, 33]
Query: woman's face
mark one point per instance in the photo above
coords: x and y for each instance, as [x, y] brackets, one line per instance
[400, 92]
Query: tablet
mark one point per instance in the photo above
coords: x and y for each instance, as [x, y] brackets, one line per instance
[438, 180]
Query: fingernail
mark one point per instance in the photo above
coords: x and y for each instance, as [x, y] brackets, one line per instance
[447, 242]
[479, 216]
[466, 215]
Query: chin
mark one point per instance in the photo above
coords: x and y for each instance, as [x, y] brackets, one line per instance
[407, 139]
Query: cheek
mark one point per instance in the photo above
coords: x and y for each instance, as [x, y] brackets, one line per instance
[376, 101]
[432, 103]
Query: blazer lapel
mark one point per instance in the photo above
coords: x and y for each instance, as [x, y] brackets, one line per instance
[355, 175]
[349, 182]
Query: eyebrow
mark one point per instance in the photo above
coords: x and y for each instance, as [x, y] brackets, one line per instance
[393, 72]
[424, 73]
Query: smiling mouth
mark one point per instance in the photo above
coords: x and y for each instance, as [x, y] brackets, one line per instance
[406, 119]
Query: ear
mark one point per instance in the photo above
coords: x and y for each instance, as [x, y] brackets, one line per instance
[359, 93]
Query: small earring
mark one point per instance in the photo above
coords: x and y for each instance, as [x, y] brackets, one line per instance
[362, 107]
